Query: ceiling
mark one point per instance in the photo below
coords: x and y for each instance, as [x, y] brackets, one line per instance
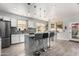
[42, 11]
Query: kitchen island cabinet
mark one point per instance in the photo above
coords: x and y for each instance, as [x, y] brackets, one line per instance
[35, 42]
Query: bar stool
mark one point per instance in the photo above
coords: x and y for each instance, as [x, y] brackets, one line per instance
[45, 40]
[51, 35]
[38, 37]
[41, 41]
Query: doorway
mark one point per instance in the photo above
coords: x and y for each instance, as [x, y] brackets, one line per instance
[75, 31]
[57, 27]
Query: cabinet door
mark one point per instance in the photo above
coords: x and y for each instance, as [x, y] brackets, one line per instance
[21, 38]
[6, 18]
[15, 39]
[13, 22]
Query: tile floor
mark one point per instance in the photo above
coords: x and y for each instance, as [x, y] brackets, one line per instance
[62, 48]
[14, 50]
[58, 48]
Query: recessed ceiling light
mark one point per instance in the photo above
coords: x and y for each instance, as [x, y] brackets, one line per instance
[44, 10]
[28, 11]
[77, 3]
[34, 6]
[28, 3]
[40, 8]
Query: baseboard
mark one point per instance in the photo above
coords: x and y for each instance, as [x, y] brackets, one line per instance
[17, 43]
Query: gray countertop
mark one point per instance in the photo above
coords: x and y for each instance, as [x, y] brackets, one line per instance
[31, 35]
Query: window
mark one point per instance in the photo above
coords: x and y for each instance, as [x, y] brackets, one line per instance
[57, 25]
[22, 25]
[40, 27]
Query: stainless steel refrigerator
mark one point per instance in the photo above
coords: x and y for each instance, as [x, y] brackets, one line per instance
[5, 33]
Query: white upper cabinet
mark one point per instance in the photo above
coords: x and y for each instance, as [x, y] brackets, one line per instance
[13, 22]
[6, 18]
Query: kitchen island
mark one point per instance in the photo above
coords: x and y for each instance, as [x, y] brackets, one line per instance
[33, 41]
[36, 42]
